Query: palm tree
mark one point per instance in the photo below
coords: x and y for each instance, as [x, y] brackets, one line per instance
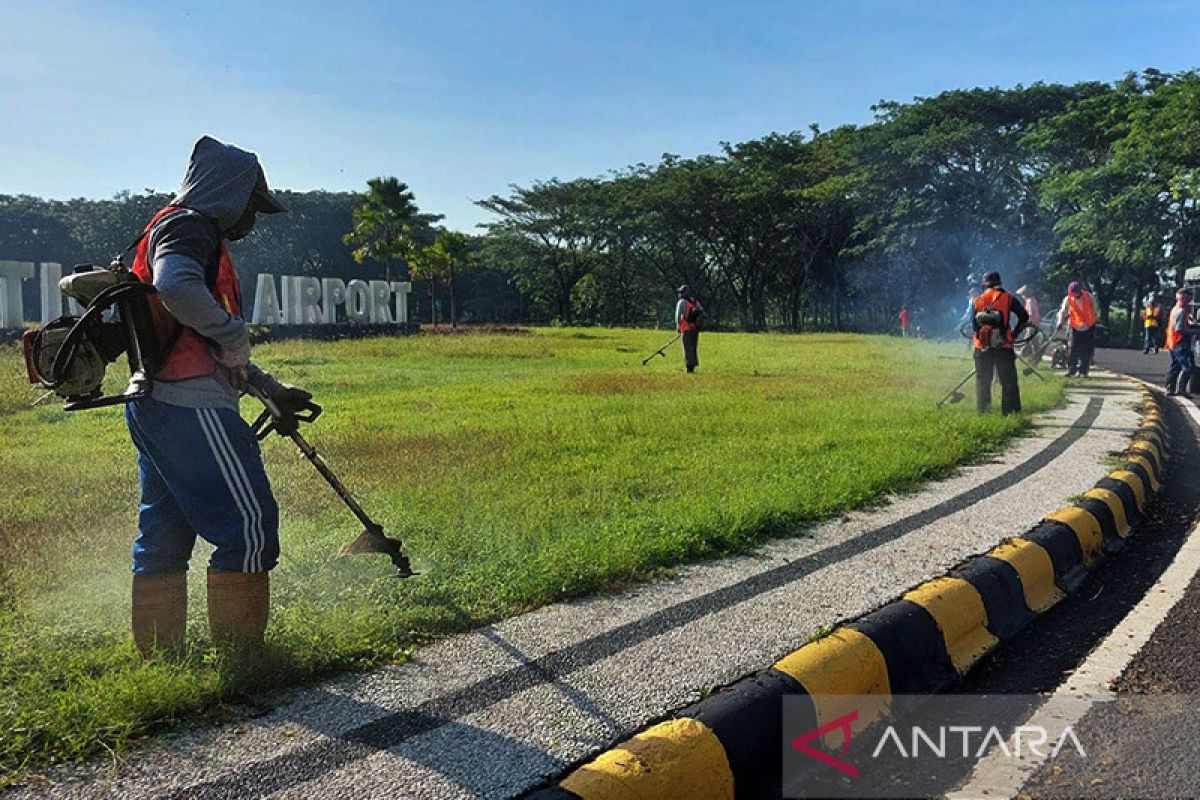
[388, 226]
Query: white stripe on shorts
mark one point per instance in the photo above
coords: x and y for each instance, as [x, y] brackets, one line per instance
[260, 535]
[222, 459]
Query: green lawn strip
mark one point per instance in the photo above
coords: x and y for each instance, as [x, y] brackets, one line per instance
[518, 469]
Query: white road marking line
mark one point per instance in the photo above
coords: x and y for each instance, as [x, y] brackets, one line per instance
[996, 776]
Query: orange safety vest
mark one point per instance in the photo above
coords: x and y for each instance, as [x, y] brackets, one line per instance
[1174, 337]
[1082, 310]
[684, 325]
[1001, 301]
[190, 354]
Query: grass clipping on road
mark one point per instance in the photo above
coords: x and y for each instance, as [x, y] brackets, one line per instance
[517, 469]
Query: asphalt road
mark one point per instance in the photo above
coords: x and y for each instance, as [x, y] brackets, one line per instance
[1147, 742]
[500, 710]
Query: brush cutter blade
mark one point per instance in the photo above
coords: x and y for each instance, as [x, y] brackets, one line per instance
[372, 541]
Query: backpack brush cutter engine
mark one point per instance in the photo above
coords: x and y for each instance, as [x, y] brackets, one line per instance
[69, 355]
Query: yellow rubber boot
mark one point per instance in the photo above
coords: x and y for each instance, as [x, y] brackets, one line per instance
[238, 603]
[159, 611]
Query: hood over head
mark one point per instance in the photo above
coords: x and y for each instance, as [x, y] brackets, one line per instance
[220, 182]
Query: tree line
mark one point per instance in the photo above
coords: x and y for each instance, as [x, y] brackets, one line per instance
[839, 229]
[813, 230]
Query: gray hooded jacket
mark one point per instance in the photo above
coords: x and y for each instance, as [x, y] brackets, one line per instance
[216, 191]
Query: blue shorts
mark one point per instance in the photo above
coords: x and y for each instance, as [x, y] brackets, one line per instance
[201, 473]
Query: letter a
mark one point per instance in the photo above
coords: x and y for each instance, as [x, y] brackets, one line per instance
[266, 302]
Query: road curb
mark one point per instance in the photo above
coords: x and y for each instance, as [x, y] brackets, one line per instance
[728, 744]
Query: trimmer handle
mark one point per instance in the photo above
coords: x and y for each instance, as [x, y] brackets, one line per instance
[273, 420]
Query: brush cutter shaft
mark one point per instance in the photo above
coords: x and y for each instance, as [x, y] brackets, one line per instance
[372, 539]
[954, 391]
[312, 455]
[271, 420]
[1030, 369]
[662, 350]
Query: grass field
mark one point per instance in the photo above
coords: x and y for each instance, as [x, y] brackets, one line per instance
[518, 469]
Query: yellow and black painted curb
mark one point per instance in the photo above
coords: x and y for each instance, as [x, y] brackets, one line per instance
[728, 745]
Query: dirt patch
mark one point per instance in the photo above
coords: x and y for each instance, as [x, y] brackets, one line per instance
[476, 330]
[627, 383]
[842, 339]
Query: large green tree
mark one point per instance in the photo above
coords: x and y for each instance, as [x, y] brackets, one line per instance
[551, 229]
[447, 257]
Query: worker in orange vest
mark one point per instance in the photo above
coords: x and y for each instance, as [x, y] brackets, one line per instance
[998, 318]
[689, 319]
[199, 463]
[1079, 311]
[1152, 322]
[904, 317]
[1180, 331]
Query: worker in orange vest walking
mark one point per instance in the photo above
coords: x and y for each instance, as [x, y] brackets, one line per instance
[1078, 309]
[904, 318]
[998, 317]
[689, 319]
[1180, 331]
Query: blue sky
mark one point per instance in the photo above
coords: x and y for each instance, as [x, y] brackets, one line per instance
[462, 99]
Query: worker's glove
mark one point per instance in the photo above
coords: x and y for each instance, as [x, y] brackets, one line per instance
[289, 400]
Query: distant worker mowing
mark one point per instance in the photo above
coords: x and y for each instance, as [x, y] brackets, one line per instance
[1078, 311]
[904, 320]
[689, 319]
[998, 317]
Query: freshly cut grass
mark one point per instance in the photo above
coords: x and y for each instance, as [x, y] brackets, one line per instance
[518, 470]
